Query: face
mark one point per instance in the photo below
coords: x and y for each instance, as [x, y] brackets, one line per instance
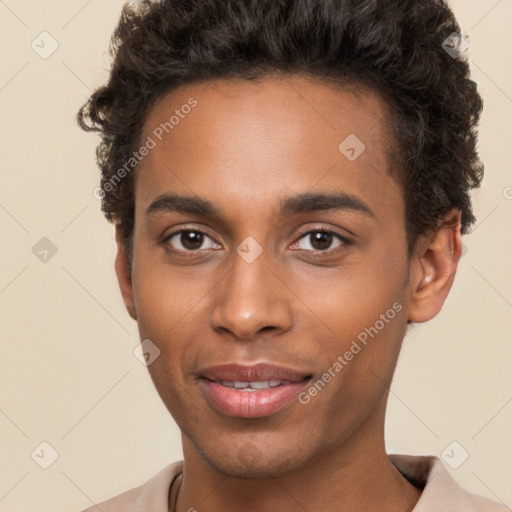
[270, 269]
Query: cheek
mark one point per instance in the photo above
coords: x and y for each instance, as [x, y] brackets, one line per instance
[167, 308]
[361, 313]
[170, 312]
[165, 299]
[360, 364]
[351, 298]
[175, 393]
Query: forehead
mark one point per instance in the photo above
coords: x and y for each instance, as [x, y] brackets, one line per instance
[257, 140]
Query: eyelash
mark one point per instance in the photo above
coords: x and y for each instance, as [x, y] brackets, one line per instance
[344, 241]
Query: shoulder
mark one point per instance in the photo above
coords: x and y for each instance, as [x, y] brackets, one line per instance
[152, 495]
[440, 490]
[123, 502]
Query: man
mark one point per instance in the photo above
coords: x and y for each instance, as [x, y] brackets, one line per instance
[289, 183]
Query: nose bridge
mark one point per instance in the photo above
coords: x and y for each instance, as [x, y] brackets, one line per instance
[250, 297]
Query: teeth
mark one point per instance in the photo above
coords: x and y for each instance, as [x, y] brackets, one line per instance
[252, 386]
[260, 385]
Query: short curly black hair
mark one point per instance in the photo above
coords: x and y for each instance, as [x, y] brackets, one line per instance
[397, 48]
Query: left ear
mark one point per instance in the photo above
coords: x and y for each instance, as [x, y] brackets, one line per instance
[432, 269]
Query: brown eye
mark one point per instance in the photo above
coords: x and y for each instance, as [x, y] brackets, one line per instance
[190, 240]
[319, 241]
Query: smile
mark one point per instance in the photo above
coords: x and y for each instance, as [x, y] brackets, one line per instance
[251, 391]
[252, 386]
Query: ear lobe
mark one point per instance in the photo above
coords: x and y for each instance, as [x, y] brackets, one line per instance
[433, 269]
[123, 273]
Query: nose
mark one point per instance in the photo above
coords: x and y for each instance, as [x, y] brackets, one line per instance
[251, 299]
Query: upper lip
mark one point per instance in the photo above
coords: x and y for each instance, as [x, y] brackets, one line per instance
[252, 373]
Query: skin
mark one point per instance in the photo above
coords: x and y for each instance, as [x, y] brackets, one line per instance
[246, 147]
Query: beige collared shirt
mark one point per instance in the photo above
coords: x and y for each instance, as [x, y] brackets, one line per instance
[440, 491]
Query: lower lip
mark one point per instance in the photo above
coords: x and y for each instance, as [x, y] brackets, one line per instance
[251, 404]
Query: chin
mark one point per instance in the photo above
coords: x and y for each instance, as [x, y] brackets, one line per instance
[249, 461]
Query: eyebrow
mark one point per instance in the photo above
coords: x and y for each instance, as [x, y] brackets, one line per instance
[300, 203]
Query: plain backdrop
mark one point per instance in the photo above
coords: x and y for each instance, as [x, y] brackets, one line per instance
[69, 377]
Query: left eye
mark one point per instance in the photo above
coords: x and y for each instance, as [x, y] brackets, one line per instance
[191, 240]
[319, 241]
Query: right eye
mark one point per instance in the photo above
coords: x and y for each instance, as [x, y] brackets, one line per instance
[190, 240]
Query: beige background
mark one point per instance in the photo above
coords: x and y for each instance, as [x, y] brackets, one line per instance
[68, 375]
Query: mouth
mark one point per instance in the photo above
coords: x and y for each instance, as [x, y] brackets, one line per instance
[252, 386]
[252, 391]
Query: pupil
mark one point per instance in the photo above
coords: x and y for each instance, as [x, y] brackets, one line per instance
[321, 240]
[191, 240]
